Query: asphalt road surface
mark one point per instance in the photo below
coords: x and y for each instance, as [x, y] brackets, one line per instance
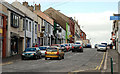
[90, 59]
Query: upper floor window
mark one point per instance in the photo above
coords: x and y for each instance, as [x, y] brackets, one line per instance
[35, 28]
[23, 24]
[14, 20]
[1, 21]
[30, 26]
[27, 25]
[38, 27]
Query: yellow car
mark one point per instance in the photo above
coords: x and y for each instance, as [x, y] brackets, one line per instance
[54, 52]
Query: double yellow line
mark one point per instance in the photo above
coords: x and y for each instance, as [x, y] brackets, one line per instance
[5, 63]
[99, 67]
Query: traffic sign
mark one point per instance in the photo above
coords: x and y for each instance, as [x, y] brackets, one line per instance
[114, 17]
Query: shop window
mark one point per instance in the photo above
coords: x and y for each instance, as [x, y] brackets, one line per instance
[14, 20]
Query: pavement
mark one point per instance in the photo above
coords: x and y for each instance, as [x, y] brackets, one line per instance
[11, 58]
[111, 53]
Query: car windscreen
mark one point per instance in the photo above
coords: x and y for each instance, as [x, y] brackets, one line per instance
[52, 49]
[42, 48]
[61, 45]
[66, 45]
[102, 46]
[30, 49]
[77, 43]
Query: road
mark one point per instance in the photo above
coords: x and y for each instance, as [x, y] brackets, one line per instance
[73, 62]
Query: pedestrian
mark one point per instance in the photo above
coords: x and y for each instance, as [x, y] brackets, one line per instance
[36, 45]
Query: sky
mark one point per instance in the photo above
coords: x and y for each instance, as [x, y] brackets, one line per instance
[93, 15]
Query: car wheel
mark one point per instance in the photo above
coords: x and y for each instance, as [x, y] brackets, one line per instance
[63, 57]
[36, 57]
[73, 51]
[59, 58]
[40, 57]
[45, 58]
[23, 58]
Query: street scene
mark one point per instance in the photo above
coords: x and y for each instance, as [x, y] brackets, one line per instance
[66, 37]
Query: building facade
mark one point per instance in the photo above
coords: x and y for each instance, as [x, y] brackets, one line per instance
[30, 26]
[46, 27]
[77, 31]
[72, 29]
[3, 29]
[14, 35]
[82, 35]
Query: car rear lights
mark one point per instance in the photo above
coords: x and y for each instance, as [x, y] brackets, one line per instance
[72, 47]
[57, 53]
[80, 47]
[45, 52]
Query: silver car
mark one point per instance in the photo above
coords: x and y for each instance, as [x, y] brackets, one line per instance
[101, 47]
[43, 49]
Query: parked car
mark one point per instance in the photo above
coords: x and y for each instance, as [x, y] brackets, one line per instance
[71, 45]
[67, 47]
[58, 45]
[104, 43]
[33, 52]
[62, 46]
[43, 49]
[102, 47]
[54, 52]
[83, 45]
[77, 47]
[96, 45]
[88, 45]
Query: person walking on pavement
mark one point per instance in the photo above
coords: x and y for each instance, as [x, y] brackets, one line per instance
[36, 45]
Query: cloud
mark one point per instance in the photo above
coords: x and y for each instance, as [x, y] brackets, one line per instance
[97, 26]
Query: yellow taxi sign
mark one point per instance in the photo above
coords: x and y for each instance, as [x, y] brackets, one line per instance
[1, 31]
[70, 35]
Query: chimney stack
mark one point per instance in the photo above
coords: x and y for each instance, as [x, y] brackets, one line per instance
[31, 7]
[25, 4]
[38, 7]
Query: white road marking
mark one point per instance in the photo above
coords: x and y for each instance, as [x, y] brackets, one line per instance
[105, 64]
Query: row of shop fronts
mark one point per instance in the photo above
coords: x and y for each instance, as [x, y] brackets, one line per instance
[22, 27]
[19, 31]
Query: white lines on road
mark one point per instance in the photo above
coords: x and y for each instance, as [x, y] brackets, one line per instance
[105, 64]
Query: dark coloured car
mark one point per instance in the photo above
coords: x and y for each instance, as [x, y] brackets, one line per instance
[96, 45]
[88, 46]
[77, 48]
[33, 52]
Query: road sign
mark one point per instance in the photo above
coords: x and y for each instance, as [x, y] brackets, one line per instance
[114, 17]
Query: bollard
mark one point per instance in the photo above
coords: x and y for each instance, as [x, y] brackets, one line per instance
[111, 65]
